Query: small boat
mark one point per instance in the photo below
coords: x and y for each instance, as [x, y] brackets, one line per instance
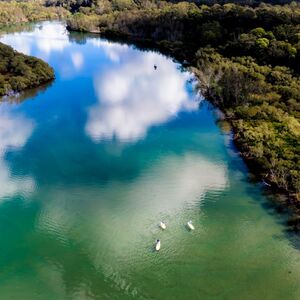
[155, 67]
[162, 225]
[157, 245]
[190, 225]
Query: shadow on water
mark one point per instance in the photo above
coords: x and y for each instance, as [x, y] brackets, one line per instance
[28, 27]
[293, 237]
[273, 202]
[187, 228]
[32, 93]
[80, 38]
[144, 46]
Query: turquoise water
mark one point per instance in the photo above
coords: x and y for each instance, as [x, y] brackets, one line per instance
[91, 163]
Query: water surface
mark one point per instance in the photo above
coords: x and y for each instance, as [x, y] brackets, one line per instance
[91, 163]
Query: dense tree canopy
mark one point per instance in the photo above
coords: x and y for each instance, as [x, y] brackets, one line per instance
[19, 71]
[12, 12]
[97, 6]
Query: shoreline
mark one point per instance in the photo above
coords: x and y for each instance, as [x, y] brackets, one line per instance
[185, 55]
[284, 201]
[43, 80]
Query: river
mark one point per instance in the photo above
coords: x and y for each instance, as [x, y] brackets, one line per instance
[91, 163]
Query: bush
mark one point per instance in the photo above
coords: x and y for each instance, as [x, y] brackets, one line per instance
[19, 71]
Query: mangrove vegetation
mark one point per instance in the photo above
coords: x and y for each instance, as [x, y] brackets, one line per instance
[19, 72]
[247, 60]
[12, 12]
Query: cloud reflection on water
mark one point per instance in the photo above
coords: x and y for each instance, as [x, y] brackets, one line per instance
[46, 38]
[15, 130]
[113, 51]
[77, 59]
[119, 233]
[133, 96]
[170, 189]
[42, 41]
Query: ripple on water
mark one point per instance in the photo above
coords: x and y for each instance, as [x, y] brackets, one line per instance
[99, 167]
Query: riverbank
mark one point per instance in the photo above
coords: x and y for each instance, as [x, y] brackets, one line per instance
[19, 72]
[260, 100]
[251, 74]
[284, 199]
[89, 172]
[22, 12]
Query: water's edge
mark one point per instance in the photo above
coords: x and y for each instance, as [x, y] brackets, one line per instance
[282, 201]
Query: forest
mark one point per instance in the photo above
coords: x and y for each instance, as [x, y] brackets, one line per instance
[247, 59]
[12, 12]
[19, 72]
[104, 6]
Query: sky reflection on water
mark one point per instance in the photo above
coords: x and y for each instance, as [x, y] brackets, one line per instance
[15, 130]
[44, 39]
[129, 97]
[133, 96]
[103, 154]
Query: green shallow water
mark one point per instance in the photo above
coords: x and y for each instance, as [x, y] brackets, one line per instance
[91, 163]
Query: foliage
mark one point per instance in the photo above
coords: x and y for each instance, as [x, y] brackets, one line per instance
[266, 121]
[271, 34]
[248, 63]
[17, 12]
[247, 58]
[19, 71]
